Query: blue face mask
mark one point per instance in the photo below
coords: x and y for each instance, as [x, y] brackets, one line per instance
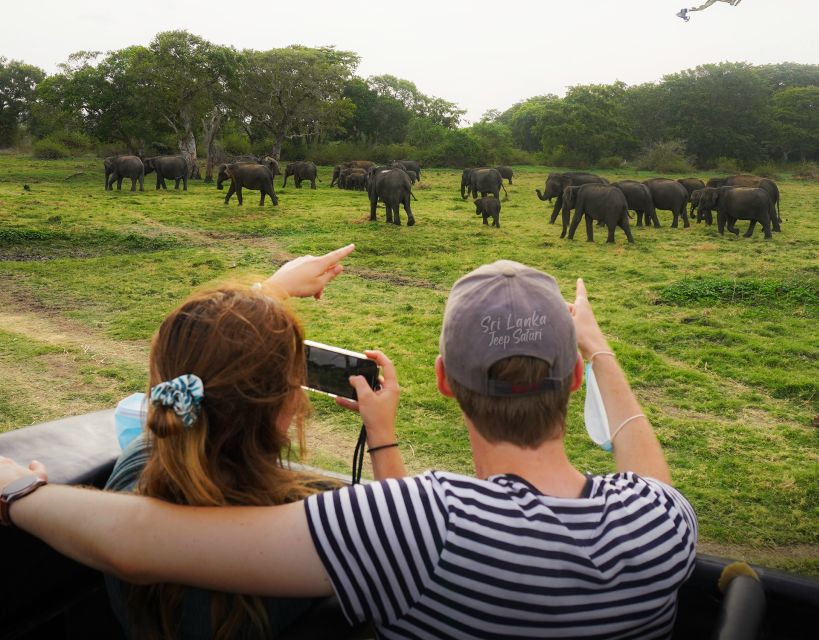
[594, 413]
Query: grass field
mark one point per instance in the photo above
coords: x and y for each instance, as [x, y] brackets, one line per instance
[719, 336]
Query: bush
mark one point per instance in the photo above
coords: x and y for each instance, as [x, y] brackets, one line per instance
[519, 156]
[611, 162]
[76, 141]
[105, 149]
[727, 166]
[562, 157]
[235, 144]
[664, 157]
[807, 171]
[767, 170]
[49, 149]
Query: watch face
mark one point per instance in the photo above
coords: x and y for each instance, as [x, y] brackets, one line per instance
[21, 484]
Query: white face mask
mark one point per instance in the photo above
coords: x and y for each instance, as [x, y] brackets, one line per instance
[594, 413]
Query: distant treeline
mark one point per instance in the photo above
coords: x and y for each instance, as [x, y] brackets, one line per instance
[183, 94]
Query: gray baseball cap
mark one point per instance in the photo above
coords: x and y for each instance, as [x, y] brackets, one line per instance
[506, 309]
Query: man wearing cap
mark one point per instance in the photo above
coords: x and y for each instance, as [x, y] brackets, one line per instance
[529, 547]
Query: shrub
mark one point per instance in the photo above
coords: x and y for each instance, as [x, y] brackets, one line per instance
[49, 149]
[519, 156]
[807, 171]
[559, 156]
[664, 157]
[235, 144]
[611, 162]
[105, 149]
[767, 170]
[74, 140]
[728, 166]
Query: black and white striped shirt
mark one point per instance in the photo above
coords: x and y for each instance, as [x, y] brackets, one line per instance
[442, 555]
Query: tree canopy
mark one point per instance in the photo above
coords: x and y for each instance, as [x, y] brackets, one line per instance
[183, 92]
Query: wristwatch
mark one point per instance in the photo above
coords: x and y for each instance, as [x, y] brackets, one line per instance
[14, 491]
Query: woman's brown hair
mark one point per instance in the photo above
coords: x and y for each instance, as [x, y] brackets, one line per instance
[248, 350]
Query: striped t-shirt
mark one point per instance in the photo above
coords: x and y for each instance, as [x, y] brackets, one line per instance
[442, 555]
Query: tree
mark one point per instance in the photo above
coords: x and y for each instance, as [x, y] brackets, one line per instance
[376, 119]
[437, 110]
[789, 74]
[495, 140]
[295, 91]
[796, 115]
[186, 73]
[523, 120]
[18, 83]
[107, 99]
[720, 110]
[589, 123]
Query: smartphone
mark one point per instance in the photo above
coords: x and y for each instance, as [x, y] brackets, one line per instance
[329, 369]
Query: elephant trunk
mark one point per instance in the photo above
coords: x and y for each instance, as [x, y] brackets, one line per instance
[542, 197]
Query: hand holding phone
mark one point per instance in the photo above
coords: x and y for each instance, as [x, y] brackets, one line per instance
[329, 369]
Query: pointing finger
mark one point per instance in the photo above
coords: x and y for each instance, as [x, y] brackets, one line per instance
[329, 259]
[581, 291]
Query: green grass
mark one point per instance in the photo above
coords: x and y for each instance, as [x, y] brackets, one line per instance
[718, 335]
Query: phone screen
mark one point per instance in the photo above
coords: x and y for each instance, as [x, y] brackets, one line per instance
[329, 369]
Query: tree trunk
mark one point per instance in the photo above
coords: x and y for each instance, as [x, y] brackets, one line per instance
[187, 146]
[276, 149]
[211, 124]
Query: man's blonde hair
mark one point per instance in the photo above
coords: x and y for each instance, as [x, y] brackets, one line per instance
[524, 420]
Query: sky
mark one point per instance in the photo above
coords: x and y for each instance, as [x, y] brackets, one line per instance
[479, 54]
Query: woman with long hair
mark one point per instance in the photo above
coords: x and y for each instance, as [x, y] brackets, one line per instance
[226, 369]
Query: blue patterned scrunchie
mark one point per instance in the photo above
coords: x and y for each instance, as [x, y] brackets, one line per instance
[183, 394]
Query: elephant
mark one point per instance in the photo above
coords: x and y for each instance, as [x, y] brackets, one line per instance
[669, 195]
[395, 164]
[506, 173]
[569, 203]
[412, 167]
[355, 181]
[703, 214]
[171, 167]
[741, 203]
[301, 170]
[638, 197]
[488, 208]
[715, 183]
[741, 180]
[393, 188]
[271, 163]
[119, 167]
[601, 202]
[483, 180]
[352, 179]
[352, 164]
[691, 184]
[250, 175]
[754, 181]
[557, 182]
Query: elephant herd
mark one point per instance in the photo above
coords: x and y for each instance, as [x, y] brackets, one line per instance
[740, 197]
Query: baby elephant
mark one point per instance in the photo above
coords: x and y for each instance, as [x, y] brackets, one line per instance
[490, 208]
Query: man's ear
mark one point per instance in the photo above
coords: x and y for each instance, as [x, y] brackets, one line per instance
[440, 378]
[577, 374]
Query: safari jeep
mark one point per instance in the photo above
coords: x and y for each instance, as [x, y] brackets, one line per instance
[45, 595]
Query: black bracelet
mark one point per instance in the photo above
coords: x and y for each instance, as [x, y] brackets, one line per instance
[383, 446]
